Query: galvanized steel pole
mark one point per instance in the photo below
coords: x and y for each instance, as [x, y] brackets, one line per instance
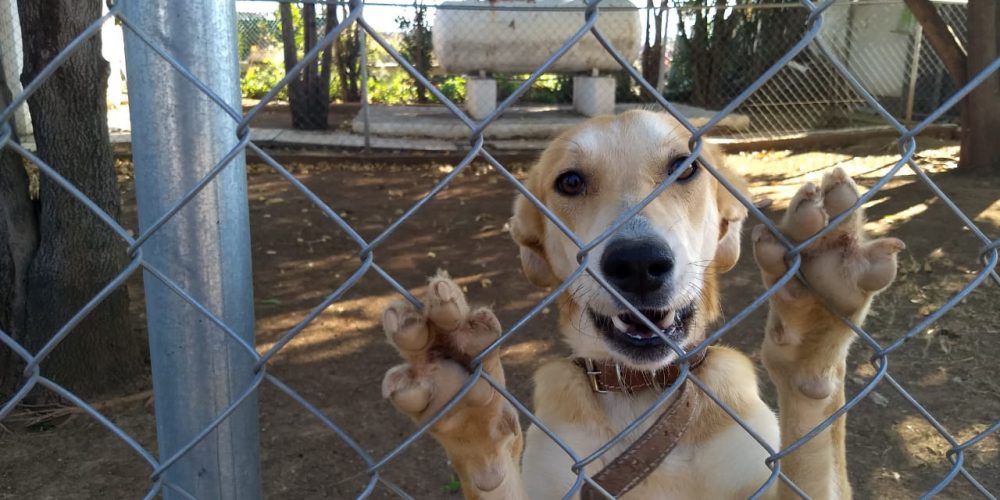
[178, 135]
[365, 115]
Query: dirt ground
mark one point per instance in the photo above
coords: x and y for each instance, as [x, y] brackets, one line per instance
[338, 361]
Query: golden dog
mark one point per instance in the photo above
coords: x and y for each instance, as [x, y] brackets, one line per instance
[666, 261]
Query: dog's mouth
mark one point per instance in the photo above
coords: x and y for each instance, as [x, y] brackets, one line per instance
[632, 336]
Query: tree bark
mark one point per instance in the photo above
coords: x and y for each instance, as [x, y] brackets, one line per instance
[296, 90]
[346, 55]
[326, 58]
[309, 91]
[980, 110]
[77, 254]
[942, 39]
[18, 242]
[981, 117]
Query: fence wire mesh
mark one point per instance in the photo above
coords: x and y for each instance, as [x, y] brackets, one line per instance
[880, 42]
[816, 50]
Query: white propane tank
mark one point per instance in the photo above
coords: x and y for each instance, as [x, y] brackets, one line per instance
[517, 36]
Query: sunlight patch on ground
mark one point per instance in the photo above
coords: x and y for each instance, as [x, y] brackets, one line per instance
[341, 323]
[883, 225]
[990, 214]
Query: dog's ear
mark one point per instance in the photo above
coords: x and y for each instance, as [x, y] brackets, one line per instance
[732, 213]
[527, 229]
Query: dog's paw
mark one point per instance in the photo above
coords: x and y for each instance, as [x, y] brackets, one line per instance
[438, 345]
[843, 267]
[806, 341]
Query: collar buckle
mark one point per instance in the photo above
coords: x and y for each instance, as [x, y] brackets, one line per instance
[592, 374]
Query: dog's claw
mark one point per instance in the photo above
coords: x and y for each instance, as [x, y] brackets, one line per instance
[839, 192]
[768, 251]
[407, 391]
[446, 304]
[405, 327]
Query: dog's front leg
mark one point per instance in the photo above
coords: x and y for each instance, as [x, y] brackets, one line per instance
[805, 345]
[481, 434]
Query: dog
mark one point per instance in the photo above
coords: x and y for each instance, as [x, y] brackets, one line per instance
[667, 262]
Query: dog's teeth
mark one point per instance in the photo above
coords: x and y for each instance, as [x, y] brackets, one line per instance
[667, 320]
[619, 324]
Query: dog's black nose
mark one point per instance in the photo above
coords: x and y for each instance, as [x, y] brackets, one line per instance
[640, 268]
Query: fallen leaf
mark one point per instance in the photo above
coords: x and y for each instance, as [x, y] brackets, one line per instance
[878, 399]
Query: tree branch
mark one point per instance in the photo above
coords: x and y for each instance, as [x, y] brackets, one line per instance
[948, 47]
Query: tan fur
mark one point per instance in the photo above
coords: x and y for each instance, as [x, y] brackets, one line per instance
[623, 158]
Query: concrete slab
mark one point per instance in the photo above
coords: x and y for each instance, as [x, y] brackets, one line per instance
[518, 122]
[339, 139]
[426, 128]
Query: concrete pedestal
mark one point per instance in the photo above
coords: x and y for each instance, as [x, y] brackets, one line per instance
[480, 97]
[594, 95]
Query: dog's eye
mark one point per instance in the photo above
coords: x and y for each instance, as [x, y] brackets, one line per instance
[688, 173]
[571, 183]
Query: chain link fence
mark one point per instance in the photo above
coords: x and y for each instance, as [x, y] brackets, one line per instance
[189, 139]
[879, 40]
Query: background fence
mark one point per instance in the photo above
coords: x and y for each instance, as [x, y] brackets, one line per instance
[189, 139]
[879, 40]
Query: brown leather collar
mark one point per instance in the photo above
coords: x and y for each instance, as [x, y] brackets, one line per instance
[609, 376]
[640, 459]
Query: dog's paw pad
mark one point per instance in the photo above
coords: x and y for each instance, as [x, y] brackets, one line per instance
[839, 192]
[410, 393]
[880, 268]
[405, 327]
[446, 304]
[480, 330]
[805, 215]
[440, 344]
[768, 251]
[816, 387]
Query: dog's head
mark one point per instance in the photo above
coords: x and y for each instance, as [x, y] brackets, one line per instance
[664, 260]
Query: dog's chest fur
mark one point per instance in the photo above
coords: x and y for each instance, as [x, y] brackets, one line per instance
[715, 458]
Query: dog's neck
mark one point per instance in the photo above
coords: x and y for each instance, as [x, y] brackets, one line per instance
[610, 376]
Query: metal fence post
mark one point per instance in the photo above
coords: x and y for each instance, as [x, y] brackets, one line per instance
[911, 88]
[365, 116]
[178, 135]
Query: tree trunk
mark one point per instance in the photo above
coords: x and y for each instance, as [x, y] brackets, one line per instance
[18, 242]
[422, 62]
[309, 91]
[326, 58]
[77, 254]
[648, 57]
[346, 56]
[981, 113]
[701, 70]
[941, 38]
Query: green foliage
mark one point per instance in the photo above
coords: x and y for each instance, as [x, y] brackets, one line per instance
[718, 53]
[255, 31]
[680, 81]
[260, 78]
[548, 89]
[453, 486]
[453, 87]
[391, 87]
[416, 43]
[626, 90]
